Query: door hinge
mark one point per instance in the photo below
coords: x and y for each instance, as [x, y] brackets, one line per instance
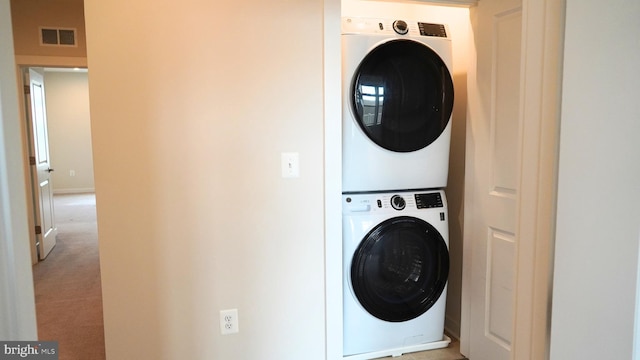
[38, 229]
[27, 89]
[32, 160]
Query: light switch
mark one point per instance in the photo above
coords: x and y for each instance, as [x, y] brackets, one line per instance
[290, 165]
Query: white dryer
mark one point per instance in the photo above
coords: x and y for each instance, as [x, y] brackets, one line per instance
[397, 104]
[395, 269]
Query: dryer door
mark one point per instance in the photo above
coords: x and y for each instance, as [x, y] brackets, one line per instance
[402, 95]
[400, 269]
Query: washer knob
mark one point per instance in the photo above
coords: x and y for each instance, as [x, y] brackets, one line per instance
[400, 27]
[397, 202]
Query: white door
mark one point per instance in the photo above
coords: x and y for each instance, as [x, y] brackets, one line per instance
[510, 178]
[40, 166]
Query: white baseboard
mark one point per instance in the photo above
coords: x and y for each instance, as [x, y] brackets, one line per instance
[73, 191]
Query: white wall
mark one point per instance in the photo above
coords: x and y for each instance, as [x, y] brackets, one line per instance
[17, 307]
[191, 108]
[459, 26]
[67, 97]
[598, 221]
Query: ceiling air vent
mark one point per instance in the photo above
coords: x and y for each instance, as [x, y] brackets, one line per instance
[57, 37]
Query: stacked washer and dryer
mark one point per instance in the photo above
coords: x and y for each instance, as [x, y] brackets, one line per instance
[396, 128]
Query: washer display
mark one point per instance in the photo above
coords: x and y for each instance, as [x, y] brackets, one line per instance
[397, 104]
[395, 268]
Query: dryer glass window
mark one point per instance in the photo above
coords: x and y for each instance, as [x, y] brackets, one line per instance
[402, 95]
[400, 269]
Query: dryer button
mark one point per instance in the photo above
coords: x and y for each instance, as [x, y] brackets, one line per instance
[397, 202]
[400, 27]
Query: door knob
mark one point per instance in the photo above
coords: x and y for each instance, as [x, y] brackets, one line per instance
[50, 170]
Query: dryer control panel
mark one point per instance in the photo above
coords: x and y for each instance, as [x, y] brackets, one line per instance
[427, 29]
[396, 27]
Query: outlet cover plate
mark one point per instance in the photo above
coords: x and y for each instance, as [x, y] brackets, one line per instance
[229, 321]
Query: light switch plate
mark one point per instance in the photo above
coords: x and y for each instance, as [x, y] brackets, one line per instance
[290, 165]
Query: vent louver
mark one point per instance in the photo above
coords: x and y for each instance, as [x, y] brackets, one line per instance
[57, 37]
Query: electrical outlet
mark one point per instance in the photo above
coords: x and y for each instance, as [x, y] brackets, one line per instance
[229, 321]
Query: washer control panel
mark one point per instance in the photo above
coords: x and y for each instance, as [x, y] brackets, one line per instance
[392, 202]
[429, 200]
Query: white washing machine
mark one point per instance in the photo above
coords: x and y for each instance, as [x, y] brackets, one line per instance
[395, 269]
[397, 104]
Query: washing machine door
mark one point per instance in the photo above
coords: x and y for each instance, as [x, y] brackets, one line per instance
[402, 95]
[400, 269]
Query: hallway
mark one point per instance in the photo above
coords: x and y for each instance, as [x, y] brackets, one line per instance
[67, 283]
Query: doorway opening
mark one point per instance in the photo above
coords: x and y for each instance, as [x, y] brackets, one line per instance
[66, 270]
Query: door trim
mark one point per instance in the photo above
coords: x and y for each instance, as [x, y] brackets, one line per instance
[25, 62]
[541, 100]
[16, 285]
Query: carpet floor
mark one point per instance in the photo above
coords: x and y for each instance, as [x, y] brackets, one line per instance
[67, 283]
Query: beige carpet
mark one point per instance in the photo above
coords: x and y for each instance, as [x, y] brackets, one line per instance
[67, 283]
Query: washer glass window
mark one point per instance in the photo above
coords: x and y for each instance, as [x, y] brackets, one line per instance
[402, 95]
[400, 269]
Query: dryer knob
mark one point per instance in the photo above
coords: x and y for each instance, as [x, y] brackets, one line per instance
[397, 202]
[400, 27]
